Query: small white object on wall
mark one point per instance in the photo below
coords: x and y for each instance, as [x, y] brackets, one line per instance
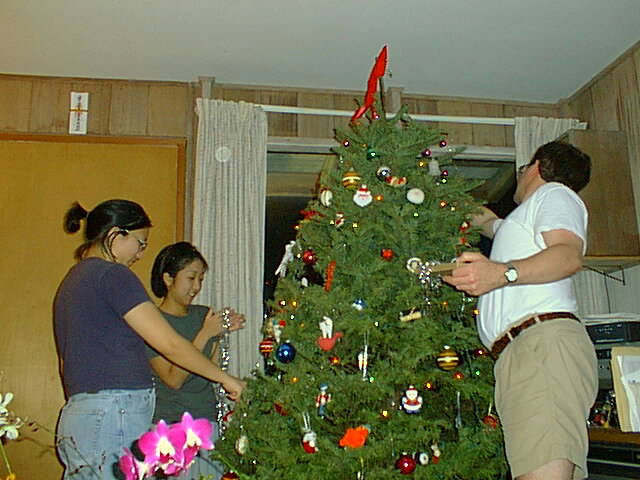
[78, 113]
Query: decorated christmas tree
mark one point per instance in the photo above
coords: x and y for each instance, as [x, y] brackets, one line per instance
[373, 368]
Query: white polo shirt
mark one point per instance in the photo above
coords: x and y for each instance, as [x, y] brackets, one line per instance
[553, 206]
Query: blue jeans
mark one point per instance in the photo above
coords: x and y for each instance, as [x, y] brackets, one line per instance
[94, 428]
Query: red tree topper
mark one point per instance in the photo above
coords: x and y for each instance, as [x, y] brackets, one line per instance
[372, 85]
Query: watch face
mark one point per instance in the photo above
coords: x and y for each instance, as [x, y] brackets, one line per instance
[511, 274]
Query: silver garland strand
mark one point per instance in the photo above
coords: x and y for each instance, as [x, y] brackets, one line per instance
[223, 405]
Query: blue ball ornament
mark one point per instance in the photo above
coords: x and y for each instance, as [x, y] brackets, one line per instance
[286, 353]
[359, 304]
[383, 172]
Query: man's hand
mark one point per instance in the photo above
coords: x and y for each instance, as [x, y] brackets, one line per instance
[475, 274]
[484, 219]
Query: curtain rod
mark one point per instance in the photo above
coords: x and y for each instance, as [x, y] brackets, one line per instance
[420, 117]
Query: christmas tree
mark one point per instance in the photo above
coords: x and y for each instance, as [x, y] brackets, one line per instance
[373, 365]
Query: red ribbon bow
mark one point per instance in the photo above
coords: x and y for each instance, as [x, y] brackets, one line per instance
[372, 85]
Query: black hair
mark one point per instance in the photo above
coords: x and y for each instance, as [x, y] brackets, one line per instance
[171, 260]
[562, 162]
[123, 214]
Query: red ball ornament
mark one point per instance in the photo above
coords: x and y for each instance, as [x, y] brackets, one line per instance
[346, 143]
[491, 420]
[309, 257]
[266, 346]
[443, 143]
[426, 153]
[387, 254]
[406, 464]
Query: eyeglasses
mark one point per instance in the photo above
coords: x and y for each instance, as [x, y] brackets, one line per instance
[142, 244]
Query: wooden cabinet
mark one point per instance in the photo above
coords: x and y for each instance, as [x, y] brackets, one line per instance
[613, 228]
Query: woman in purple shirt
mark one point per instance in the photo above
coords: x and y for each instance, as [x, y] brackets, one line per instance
[103, 317]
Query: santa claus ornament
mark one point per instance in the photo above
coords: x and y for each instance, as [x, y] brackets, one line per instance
[363, 196]
[412, 400]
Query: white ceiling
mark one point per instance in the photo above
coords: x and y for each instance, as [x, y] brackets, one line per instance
[540, 51]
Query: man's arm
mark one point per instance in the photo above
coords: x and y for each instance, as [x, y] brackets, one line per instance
[484, 219]
[476, 274]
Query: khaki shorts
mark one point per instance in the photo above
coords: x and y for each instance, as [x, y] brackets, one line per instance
[546, 383]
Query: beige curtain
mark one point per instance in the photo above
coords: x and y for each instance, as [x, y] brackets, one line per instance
[591, 292]
[229, 216]
[532, 132]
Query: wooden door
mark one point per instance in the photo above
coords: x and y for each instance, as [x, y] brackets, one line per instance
[41, 177]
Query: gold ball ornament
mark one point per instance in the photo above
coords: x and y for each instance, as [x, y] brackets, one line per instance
[351, 180]
[448, 359]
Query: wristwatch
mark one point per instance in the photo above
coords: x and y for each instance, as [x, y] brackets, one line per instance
[511, 274]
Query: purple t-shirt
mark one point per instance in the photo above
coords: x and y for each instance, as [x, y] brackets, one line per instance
[99, 349]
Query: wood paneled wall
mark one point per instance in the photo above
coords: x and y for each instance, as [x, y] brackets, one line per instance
[309, 126]
[165, 109]
[116, 107]
[611, 101]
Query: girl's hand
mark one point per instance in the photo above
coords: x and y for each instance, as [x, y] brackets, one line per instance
[237, 321]
[212, 324]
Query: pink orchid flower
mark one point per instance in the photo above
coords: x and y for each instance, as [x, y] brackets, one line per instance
[163, 448]
[131, 467]
[198, 436]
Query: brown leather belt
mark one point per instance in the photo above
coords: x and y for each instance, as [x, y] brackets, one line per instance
[500, 344]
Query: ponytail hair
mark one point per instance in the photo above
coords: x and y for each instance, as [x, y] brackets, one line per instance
[73, 217]
[123, 214]
[171, 260]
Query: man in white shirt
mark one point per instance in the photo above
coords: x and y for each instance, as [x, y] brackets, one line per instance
[546, 372]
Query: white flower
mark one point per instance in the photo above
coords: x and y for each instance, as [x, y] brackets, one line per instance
[4, 402]
[10, 430]
[9, 423]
